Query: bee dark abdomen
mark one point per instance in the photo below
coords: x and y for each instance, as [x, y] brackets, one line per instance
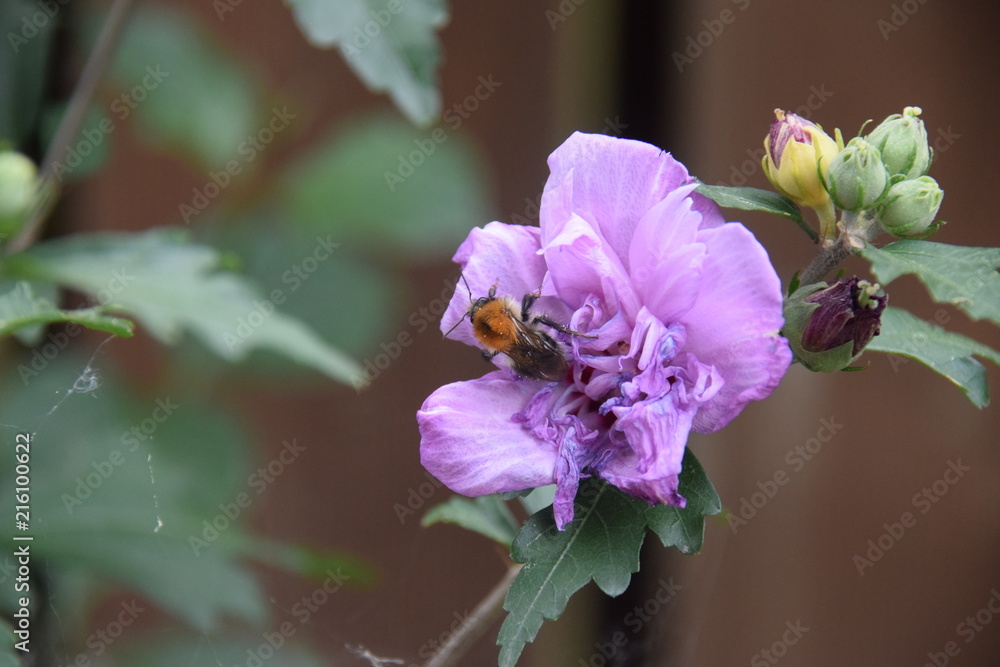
[544, 362]
[552, 368]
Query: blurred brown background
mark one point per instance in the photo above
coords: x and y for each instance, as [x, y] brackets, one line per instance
[600, 66]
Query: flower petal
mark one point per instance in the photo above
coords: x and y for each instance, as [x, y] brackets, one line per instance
[613, 183]
[734, 324]
[469, 442]
[665, 259]
[497, 254]
[580, 265]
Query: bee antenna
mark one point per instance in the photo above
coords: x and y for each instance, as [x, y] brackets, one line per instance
[462, 275]
[460, 320]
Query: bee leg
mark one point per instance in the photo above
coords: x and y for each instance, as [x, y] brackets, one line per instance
[489, 355]
[549, 322]
[526, 303]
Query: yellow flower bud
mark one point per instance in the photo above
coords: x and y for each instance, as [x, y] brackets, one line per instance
[797, 159]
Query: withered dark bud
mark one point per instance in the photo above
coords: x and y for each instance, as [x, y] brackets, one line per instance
[829, 326]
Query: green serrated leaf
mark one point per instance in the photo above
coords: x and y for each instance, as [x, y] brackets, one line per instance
[601, 543]
[171, 285]
[962, 276]
[685, 528]
[754, 199]
[21, 308]
[946, 353]
[390, 46]
[486, 515]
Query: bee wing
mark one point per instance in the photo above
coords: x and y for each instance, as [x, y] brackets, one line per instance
[536, 355]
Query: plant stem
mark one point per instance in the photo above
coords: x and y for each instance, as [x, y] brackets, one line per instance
[71, 122]
[481, 618]
[857, 231]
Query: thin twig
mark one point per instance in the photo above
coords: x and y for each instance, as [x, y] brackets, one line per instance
[72, 121]
[481, 618]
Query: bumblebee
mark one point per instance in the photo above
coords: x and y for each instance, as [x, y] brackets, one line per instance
[504, 327]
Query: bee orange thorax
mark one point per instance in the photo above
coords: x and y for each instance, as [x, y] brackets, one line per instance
[494, 324]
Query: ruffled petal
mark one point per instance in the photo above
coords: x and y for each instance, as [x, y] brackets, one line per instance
[497, 254]
[469, 441]
[657, 433]
[734, 324]
[580, 265]
[665, 258]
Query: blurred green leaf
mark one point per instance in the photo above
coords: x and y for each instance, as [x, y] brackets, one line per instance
[966, 278]
[539, 499]
[188, 93]
[352, 303]
[949, 354]
[121, 487]
[486, 515]
[191, 651]
[21, 308]
[24, 66]
[8, 654]
[333, 568]
[171, 285]
[392, 45]
[345, 189]
[88, 152]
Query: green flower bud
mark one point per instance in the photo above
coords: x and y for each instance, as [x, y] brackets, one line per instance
[857, 178]
[17, 191]
[910, 206]
[902, 141]
[828, 326]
